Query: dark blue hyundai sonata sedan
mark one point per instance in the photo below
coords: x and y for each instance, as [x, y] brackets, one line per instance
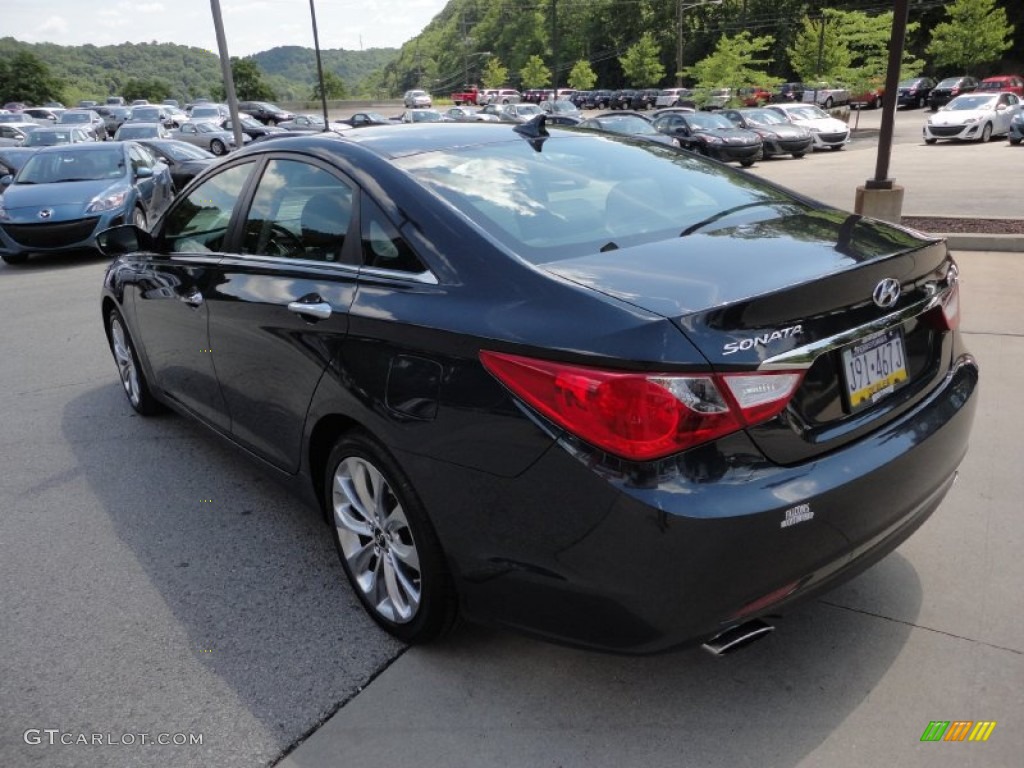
[590, 387]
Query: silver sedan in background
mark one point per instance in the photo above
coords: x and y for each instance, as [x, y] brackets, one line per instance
[209, 136]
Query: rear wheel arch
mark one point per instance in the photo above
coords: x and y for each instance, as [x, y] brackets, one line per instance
[322, 438]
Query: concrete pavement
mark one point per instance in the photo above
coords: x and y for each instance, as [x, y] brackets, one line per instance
[933, 632]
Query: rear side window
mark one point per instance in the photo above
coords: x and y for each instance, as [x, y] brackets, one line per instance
[199, 223]
[382, 246]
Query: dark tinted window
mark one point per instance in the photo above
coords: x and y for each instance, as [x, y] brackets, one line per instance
[199, 223]
[299, 211]
[383, 247]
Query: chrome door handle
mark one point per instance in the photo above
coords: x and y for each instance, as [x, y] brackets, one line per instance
[321, 310]
[193, 299]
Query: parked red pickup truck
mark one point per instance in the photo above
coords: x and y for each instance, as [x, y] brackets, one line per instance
[469, 96]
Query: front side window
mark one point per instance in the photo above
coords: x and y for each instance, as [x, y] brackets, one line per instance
[300, 211]
[199, 223]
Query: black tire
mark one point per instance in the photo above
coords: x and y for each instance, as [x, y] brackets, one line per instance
[14, 258]
[395, 539]
[746, 163]
[920, 102]
[139, 219]
[799, 155]
[218, 147]
[133, 380]
[828, 102]
[986, 133]
[930, 141]
[1014, 142]
[836, 147]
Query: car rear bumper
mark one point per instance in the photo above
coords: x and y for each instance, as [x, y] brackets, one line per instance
[643, 559]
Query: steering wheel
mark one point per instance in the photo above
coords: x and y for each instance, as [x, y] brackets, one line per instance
[281, 241]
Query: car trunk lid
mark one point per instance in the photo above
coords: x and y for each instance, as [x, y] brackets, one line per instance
[796, 292]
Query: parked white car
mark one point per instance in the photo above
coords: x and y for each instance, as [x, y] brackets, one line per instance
[976, 116]
[417, 99]
[828, 132]
[672, 97]
[826, 95]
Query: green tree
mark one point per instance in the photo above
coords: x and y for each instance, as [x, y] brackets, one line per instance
[641, 63]
[249, 82]
[535, 73]
[582, 76]
[152, 89]
[737, 61]
[334, 86]
[495, 73]
[819, 51]
[27, 78]
[976, 33]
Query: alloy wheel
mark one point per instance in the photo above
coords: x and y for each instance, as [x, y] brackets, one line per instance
[125, 359]
[376, 540]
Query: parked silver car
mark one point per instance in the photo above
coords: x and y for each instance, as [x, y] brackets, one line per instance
[416, 99]
[85, 118]
[207, 135]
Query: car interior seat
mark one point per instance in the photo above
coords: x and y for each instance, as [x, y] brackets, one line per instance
[324, 222]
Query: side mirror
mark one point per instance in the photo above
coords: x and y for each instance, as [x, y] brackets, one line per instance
[127, 238]
[143, 172]
[7, 180]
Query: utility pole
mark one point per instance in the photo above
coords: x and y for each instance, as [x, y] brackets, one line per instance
[319, 65]
[554, 45]
[225, 68]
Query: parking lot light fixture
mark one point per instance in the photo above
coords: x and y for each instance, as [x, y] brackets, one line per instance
[679, 34]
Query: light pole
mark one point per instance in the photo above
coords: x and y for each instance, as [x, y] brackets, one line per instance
[319, 65]
[679, 34]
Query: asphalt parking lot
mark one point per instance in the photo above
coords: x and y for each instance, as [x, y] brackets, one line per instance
[157, 583]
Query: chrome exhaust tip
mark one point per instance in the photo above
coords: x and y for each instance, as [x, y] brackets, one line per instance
[737, 637]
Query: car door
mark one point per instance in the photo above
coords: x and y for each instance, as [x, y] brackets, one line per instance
[169, 304]
[279, 307]
[1006, 108]
[154, 191]
[188, 132]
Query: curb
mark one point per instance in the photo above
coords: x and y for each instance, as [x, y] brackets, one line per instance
[967, 241]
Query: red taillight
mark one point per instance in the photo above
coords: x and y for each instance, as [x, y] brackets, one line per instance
[643, 416]
[946, 317]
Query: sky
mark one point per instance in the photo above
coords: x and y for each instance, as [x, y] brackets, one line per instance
[249, 25]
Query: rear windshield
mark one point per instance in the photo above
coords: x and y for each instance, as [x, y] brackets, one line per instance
[579, 195]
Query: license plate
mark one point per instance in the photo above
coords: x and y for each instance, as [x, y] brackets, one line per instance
[874, 368]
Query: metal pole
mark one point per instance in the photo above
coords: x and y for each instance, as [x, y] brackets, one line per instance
[225, 68]
[554, 46]
[319, 64]
[901, 11]
[679, 45]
